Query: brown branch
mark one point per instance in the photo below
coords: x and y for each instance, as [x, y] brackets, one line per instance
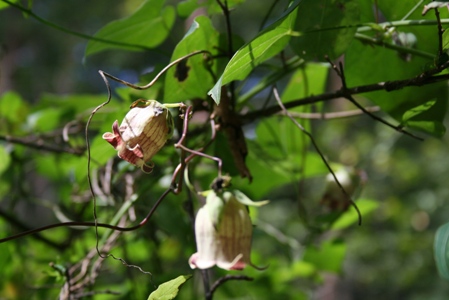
[11, 219]
[38, 143]
[331, 115]
[388, 86]
[440, 33]
[222, 280]
[341, 74]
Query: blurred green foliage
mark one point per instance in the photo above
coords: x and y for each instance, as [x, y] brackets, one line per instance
[308, 237]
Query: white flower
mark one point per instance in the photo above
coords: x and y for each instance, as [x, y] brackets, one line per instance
[223, 231]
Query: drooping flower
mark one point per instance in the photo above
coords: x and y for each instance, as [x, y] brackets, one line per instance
[142, 133]
[223, 231]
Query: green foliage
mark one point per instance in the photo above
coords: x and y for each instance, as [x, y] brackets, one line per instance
[308, 234]
[265, 45]
[193, 77]
[169, 290]
[148, 27]
[325, 28]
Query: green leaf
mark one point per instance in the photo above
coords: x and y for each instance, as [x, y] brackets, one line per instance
[310, 80]
[185, 8]
[170, 289]
[350, 217]
[441, 250]
[426, 117]
[192, 78]
[214, 8]
[147, 28]
[322, 24]
[5, 5]
[265, 45]
[362, 63]
[13, 108]
[5, 159]
[45, 119]
[328, 257]
[417, 110]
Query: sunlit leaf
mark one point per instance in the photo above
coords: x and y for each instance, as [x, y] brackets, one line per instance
[170, 289]
[265, 45]
[45, 119]
[5, 159]
[13, 108]
[148, 27]
[350, 217]
[327, 257]
[5, 5]
[426, 117]
[192, 77]
[399, 102]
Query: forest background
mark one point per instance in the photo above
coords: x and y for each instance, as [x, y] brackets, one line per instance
[391, 157]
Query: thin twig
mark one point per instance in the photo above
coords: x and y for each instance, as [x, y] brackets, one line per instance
[340, 72]
[440, 33]
[75, 33]
[224, 7]
[332, 115]
[223, 279]
[38, 143]
[315, 145]
[419, 80]
[144, 87]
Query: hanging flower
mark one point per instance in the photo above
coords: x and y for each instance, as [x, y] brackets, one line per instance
[143, 132]
[223, 231]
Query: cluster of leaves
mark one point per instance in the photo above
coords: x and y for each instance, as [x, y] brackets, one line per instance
[394, 58]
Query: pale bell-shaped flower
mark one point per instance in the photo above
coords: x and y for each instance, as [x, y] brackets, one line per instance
[223, 231]
[143, 132]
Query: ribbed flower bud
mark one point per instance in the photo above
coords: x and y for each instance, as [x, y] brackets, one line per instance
[223, 231]
[142, 133]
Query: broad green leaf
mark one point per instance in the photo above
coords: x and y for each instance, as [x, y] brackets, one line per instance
[213, 7]
[185, 8]
[350, 217]
[272, 169]
[362, 63]
[323, 27]
[265, 45]
[170, 289]
[417, 110]
[45, 119]
[446, 39]
[5, 159]
[310, 80]
[147, 28]
[192, 78]
[441, 250]
[328, 257]
[12, 108]
[426, 117]
[5, 5]
[73, 105]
